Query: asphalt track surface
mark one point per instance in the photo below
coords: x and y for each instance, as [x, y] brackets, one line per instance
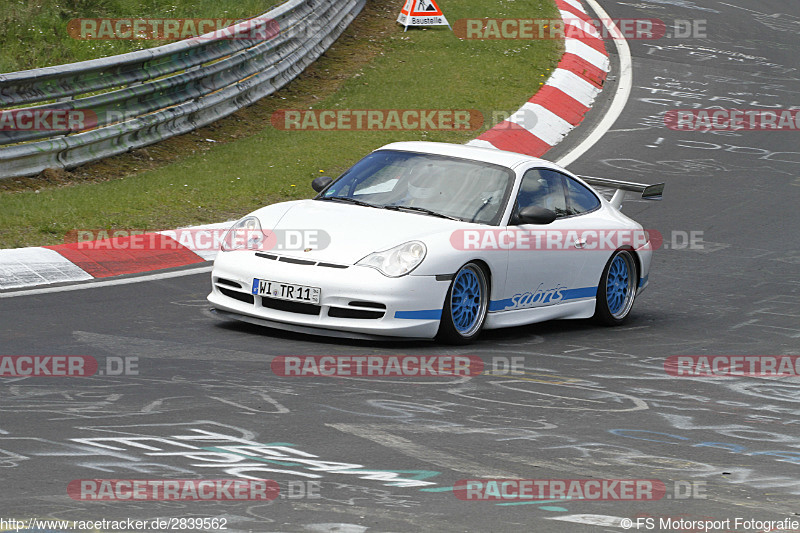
[593, 402]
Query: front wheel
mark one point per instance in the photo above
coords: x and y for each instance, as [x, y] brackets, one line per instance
[617, 289]
[465, 306]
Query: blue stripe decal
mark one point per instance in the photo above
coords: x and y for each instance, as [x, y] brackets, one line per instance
[567, 294]
[499, 305]
[643, 281]
[428, 314]
[584, 292]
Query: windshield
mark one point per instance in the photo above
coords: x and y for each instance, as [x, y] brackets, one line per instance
[460, 188]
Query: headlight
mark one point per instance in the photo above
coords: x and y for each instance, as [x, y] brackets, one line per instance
[246, 234]
[397, 261]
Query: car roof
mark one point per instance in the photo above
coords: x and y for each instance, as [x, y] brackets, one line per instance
[478, 153]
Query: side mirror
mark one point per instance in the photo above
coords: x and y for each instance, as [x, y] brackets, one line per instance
[536, 215]
[320, 182]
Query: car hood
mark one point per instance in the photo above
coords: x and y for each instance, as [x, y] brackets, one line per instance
[347, 233]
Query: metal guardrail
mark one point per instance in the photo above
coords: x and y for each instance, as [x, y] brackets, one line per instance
[165, 91]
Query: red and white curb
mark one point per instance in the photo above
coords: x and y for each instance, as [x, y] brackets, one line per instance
[80, 261]
[562, 102]
[537, 126]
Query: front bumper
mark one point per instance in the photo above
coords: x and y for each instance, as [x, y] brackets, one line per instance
[354, 299]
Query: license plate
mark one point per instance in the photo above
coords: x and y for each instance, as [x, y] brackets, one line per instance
[286, 291]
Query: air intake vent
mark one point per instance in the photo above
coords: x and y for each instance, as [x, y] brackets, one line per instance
[344, 312]
[296, 261]
[291, 307]
[241, 296]
[371, 305]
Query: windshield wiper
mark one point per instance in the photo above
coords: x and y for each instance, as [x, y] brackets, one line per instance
[347, 199]
[419, 210]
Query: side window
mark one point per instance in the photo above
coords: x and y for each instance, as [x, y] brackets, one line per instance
[579, 198]
[543, 188]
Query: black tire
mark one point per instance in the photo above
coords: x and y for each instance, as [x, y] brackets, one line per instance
[465, 306]
[617, 289]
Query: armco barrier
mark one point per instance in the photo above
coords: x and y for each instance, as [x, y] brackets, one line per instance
[169, 90]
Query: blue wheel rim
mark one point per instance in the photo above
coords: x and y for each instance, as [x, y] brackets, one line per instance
[466, 300]
[618, 285]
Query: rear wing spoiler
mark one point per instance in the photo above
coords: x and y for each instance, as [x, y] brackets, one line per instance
[649, 192]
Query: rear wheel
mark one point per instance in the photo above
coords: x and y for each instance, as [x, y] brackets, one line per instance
[617, 289]
[465, 306]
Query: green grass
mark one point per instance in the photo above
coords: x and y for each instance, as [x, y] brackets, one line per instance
[33, 33]
[421, 68]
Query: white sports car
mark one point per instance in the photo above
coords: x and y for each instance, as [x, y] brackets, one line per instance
[434, 240]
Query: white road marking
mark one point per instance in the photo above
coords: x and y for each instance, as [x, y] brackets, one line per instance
[621, 96]
[108, 283]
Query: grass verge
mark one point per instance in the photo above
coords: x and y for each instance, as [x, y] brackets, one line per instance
[35, 34]
[240, 163]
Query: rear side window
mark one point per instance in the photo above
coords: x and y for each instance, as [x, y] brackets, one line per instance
[542, 188]
[579, 198]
